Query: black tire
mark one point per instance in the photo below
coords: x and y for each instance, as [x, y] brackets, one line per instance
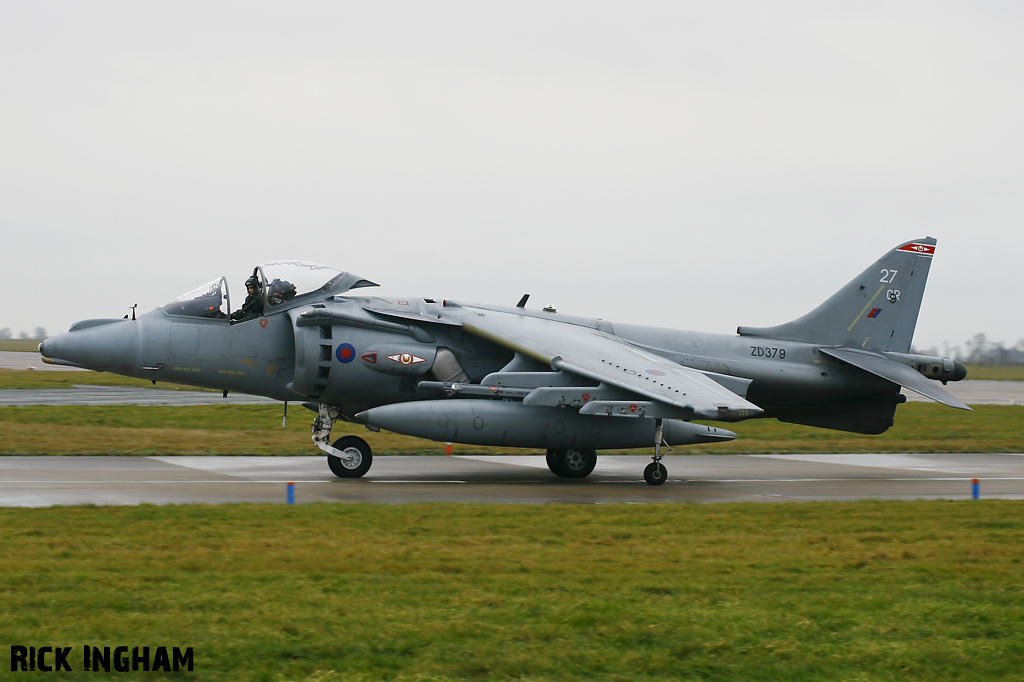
[655, 473]
[571, 463]
[552, 461]
[357, 447]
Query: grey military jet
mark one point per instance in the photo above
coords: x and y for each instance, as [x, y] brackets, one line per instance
[524, 377]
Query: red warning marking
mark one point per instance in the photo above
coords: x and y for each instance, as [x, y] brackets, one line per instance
[923, 249]
[406, 359]
[586, 397]
[370, 358]
[632, 408]
[263, 323]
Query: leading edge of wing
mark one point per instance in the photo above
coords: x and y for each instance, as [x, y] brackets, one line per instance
[604, 358]
[664, 382]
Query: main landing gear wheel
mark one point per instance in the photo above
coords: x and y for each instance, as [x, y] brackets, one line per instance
[571, 463]
[655, 473]
[358, 460]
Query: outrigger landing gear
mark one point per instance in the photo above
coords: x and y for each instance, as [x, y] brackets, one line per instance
[656, 473]
[347, 457]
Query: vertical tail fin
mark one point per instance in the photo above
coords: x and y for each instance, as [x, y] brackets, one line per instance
[877, 310]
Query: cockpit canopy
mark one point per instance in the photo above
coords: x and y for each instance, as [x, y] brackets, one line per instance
[210, 300]
[283, 281]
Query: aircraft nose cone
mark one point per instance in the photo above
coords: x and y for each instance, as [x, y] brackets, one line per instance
[107, 348]
[59, 349]
[50, 347]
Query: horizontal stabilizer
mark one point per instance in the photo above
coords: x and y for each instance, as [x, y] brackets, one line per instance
[895, 372]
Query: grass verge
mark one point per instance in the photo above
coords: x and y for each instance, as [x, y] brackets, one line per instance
[996, 372]
[814, 591]
[21, 379]
[256, 429]
[21, 345]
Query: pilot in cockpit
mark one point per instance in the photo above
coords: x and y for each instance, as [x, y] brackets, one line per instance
[253, 306]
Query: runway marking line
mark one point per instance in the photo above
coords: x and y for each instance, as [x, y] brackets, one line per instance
[368, 480]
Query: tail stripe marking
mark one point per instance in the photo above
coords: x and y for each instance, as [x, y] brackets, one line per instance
[920, 249]
[864, 310]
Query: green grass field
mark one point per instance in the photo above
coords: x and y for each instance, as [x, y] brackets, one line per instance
[256, 429]
[815, 591]
[996, 372]
[22, 345]
[23, 379]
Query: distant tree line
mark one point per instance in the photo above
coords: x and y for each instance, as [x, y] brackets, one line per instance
[39, 333]
[980, 351]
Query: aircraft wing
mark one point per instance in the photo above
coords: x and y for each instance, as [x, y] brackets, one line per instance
[602, 357]
[896, 372]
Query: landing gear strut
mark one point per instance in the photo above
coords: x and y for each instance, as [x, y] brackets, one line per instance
[656, 473]
[571, 463]
[347, 457]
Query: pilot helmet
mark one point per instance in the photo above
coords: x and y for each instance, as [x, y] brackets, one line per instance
[253, 282]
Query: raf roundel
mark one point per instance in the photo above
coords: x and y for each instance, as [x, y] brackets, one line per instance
[346, 353]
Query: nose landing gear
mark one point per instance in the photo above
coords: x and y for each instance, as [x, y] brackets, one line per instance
[355, 459]
[347, 457]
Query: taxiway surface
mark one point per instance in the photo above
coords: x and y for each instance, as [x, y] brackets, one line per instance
[47, 481]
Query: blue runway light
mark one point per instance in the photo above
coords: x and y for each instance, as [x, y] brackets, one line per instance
[975, 489]
[291, 493]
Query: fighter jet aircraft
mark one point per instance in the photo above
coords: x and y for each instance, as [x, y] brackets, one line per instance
[526, 377]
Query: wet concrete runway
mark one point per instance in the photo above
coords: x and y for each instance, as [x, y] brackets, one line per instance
[46, 481]
[979, 392]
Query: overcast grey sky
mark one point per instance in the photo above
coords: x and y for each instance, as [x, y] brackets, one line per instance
[696, 165]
